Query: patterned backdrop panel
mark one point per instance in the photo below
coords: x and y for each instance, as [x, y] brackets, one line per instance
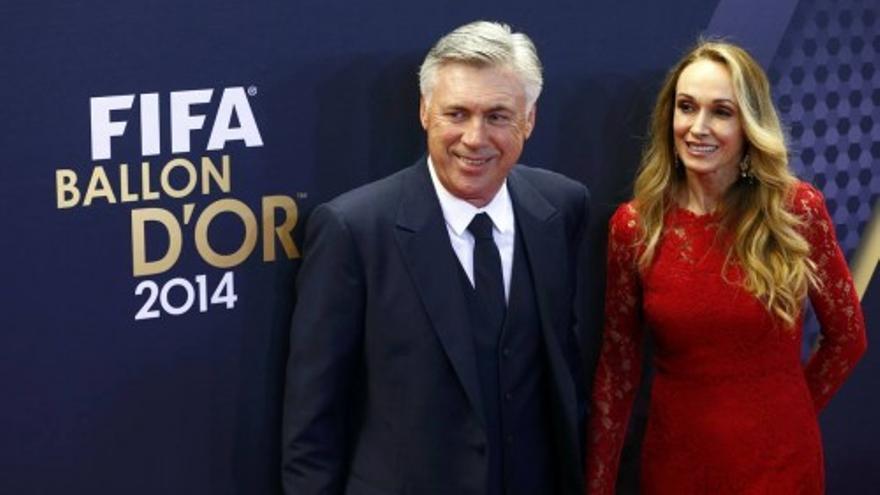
[827, 85]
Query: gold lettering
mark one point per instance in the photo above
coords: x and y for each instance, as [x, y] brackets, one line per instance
[66, 192]
[211, 177]
[283, 231]
[125, 194]
[190, 182]
[145, 182]
[209, 171]
[139, 217]
[203, 245]
[99, 187]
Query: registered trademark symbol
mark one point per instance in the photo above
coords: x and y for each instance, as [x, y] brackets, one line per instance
[302, 195]
[252, 90]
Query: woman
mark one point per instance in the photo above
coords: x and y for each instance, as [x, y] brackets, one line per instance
[715, 256]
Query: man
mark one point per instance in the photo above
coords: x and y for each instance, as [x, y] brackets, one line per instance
[433, 347]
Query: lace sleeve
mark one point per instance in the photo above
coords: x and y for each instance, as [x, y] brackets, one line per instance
[620, 359]
[836, 303]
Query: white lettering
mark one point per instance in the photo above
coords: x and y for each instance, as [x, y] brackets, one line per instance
[150, 143]
[182, 122]
[233, 106]
[103, 129]
[234, 100]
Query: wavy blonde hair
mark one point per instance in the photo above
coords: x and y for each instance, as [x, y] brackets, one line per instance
[766, 243]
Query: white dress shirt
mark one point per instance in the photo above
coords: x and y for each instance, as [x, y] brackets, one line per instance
[458, 214]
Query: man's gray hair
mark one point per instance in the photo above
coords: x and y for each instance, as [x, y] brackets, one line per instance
[485, 44]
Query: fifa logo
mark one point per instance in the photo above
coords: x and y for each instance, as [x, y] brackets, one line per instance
[183, 120]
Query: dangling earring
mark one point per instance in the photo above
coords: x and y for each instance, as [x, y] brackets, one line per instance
[745, 168]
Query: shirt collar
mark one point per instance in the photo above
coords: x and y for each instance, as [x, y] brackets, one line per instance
[458, 213]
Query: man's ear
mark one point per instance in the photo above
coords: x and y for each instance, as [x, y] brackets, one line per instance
[530, 121]
[423, 112]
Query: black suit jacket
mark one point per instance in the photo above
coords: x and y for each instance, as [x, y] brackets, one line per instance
[382, 394]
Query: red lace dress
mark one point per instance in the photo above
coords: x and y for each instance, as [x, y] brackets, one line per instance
[733, 410]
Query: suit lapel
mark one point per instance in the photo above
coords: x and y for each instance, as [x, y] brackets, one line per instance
[539, 223]
[424, 241]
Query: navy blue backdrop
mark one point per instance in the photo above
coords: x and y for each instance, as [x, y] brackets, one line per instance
[160, 159]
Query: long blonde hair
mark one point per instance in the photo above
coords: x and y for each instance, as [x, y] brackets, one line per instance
[766, 243]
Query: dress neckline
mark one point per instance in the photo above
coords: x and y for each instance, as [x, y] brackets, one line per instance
[685, 214]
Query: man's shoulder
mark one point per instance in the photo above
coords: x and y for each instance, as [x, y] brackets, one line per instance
[544, 179]
[380, 195]
[553, 186]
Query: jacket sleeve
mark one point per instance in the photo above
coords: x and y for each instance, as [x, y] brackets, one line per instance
[326, 335]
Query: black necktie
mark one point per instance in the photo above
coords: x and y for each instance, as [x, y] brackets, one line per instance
[488, 281]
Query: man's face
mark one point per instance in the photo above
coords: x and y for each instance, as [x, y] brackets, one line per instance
[477, 122]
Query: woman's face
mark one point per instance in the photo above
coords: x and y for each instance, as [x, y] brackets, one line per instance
[706, 122]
